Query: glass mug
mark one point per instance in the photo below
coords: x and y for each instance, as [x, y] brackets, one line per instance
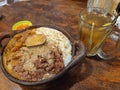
[104, 4]
[94, 28]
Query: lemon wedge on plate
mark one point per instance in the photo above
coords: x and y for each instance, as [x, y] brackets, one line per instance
[21, 25]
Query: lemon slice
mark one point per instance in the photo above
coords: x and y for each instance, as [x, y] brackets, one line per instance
[104, 26]
[107, 24]
[21, 25]
[36, 39]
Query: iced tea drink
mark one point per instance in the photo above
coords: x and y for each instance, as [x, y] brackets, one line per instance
[94, 27]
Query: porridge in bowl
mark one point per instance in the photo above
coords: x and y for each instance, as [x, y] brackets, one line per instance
[37, 54]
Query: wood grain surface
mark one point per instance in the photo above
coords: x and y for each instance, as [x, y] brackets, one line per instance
[93, 73]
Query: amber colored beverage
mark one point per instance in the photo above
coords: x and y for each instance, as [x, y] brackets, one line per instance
[94, 27]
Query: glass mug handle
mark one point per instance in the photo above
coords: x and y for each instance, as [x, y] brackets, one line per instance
[115, 36]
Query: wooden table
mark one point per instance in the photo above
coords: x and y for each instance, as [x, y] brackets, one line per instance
[92, 73]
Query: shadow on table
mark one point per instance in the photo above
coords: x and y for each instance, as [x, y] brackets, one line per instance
[80, 72]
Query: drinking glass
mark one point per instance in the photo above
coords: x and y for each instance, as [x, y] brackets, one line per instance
[94, 28]
[104, 4]
[3, 2]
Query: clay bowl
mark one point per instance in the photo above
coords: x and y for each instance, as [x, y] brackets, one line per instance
[78, 54]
